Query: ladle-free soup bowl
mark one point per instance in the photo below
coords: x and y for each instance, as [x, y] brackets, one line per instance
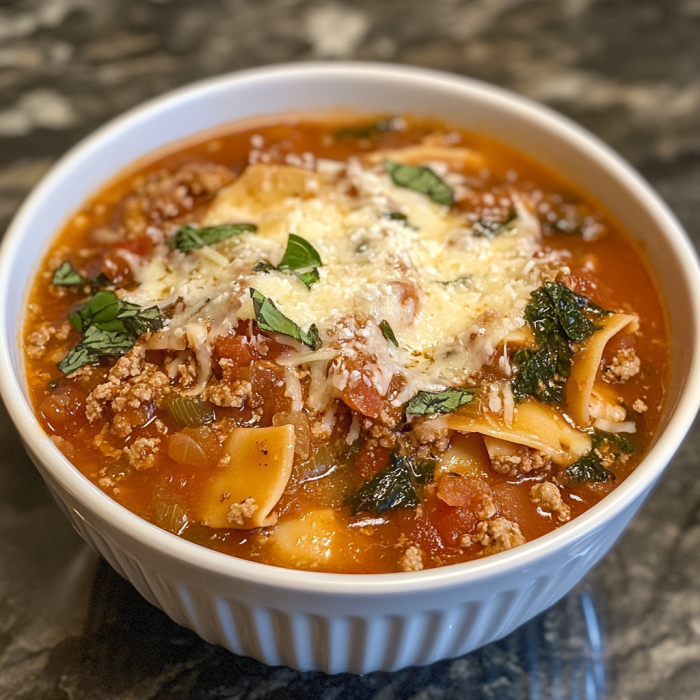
[342, 622]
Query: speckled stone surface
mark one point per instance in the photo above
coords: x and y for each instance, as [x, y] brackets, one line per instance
[629, 70]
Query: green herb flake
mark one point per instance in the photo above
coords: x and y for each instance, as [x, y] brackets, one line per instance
[397, 485]
[96, 344]
[388, 332]
[559, 318]
[190, 238]
[490, 228]
[426, 403]
[110, 327]
[65, 275]
[420, 179]
[364, 131]
[463, 281]
[270, 318]
[300, 259]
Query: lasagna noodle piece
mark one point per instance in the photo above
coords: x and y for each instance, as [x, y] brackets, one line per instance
[586, 364]
[243, 493]
[534, 425]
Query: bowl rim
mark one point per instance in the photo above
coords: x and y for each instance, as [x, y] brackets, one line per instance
[473, 572]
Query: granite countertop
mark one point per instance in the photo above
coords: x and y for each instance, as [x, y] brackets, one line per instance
[629, 70]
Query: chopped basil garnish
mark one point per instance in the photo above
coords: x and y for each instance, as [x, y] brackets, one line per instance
[463, 281]
[190, 238]
[107, 311]
[300, 259]
[420, 179]
[558, 318]
[395, 486]
[426, 403]
[96, 344]
[364, 131]
[270, 318]
[399, 216]
[65, 275]
[489, 228]
[388, 332]
[110, 327]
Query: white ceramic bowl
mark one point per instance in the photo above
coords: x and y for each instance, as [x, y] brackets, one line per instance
[334, 622]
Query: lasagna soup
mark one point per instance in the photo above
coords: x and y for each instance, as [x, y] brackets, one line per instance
[346, 343]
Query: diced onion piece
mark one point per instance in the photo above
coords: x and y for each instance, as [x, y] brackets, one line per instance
[610, 427]
[259, 466]
[534, 425]
[586, 364]
[185, 449]
[302, 431]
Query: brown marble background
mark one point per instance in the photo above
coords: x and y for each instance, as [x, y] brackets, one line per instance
[629, 70]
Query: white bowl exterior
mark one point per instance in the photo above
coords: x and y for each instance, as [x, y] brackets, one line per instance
[330, 622]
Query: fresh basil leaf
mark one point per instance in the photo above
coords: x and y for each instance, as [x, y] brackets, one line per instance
[309, 278]
[96, 344]
[270, 318]
[489, 228]
[589, 468]
[299, 255]
[190, 238]
[388, 332]
[420, 179]
[110, 327]
[426, 403]
[66, 276]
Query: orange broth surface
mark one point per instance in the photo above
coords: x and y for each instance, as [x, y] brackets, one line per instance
[167, 493]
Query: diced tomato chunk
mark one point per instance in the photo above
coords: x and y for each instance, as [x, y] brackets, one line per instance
[371, 460]
[269, 387]
[116, 264]
[362, 396]
[64, 410]
[454, 505]
[236, 349]
[142, 246]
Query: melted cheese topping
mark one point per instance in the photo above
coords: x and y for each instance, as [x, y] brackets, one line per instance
[450, 296]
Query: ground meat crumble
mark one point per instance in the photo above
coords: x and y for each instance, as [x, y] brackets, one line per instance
[498, 535]
[548, 497]
[142, 453]
[239, 511]
[624, 365]
[131, 383]
[411, 559]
